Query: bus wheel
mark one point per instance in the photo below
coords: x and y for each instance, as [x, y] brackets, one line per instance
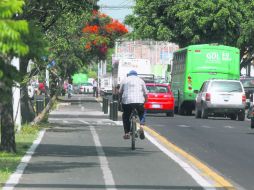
[204, 114]
[189, 111]
[181, 110]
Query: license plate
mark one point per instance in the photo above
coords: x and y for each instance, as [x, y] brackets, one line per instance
[156, 106]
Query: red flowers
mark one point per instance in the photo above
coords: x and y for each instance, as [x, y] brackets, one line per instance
[115, 27]
[100, 33]
[91, 29]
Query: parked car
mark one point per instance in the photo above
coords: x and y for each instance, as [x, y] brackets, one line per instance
[224, 98]
[86, 88]
[160, 99]
[248, 85]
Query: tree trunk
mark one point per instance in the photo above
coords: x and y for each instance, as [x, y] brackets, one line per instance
[40, 117]
[7, 124]
[27, 111]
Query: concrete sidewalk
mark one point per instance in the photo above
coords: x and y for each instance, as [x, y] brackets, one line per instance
[83, 149]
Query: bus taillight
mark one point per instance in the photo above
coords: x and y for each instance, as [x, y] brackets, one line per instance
[208, 97]
[189, 83]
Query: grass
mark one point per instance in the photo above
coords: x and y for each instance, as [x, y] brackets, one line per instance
[10, 161]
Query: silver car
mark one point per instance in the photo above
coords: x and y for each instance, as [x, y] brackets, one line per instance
[224, 98]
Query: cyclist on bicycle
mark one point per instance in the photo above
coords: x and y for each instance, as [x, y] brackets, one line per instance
[133, 94]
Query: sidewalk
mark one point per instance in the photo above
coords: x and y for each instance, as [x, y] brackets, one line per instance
[83, 149]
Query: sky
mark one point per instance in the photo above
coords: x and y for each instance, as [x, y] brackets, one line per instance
[116, 9]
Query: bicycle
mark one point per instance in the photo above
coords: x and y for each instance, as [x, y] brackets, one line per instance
[134, 119]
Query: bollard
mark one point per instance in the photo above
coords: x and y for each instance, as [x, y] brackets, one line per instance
[111, 110]
[115, 111]
[39, 104]
[105, 105]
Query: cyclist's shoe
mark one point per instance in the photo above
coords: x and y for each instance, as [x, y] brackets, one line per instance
[141, 134]
[126, 136]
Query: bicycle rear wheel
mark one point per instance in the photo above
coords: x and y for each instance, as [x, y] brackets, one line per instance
[133, 132]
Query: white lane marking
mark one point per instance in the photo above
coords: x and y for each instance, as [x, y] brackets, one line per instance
[82, 108]
[229, 127]
[107, 174]
[183, 126]
[64, 121]
[191, 171]
[15, 177]
[205, 126]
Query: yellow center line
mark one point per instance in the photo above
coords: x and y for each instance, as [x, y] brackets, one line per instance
[219, 181]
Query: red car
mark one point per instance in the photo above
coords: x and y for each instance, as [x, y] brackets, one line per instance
[160, 99]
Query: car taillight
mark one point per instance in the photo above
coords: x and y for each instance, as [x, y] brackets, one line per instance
[208, 97]
[243, 99]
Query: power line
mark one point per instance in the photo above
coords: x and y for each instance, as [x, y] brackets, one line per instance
[115, 7]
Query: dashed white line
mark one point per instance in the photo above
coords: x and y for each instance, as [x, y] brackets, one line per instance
[205, 126]
[107, 174]
[229, 127]
[183, 126]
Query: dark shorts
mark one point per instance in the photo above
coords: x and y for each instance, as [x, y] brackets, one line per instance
[127, 109]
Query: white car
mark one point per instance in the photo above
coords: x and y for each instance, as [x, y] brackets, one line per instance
[224, 98]
[86, 88]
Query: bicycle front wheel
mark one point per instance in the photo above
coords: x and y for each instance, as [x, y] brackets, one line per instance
[133, 132]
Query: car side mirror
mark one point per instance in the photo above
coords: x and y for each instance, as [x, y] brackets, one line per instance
[195, 91]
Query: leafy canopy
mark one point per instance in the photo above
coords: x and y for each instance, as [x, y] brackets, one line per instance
[185, 22]
[11, 30]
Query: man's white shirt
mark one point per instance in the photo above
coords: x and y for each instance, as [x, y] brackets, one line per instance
[133, 90]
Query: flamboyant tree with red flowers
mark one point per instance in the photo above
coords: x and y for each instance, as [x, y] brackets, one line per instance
[100, 33]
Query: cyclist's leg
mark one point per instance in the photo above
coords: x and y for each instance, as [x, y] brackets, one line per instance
[141, 113]
[126, 117]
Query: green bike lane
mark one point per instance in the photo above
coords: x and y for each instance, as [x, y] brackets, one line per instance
[85, 150]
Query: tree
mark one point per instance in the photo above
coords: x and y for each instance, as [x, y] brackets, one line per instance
[60, 22]
[11, 44]
[54, 34]
[100, 33]
[228, 22]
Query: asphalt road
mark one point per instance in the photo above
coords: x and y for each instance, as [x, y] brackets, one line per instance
[226, 146]
[83, 149]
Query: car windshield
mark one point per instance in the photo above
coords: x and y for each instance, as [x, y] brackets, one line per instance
[248, 83]
[225, 86]
[157, 89]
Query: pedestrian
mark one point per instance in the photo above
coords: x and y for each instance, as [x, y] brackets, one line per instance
[95, 88]
[42, 88]
[133, 93]
[69, 90]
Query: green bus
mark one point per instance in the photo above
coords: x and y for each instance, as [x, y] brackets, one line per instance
[195, 64]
